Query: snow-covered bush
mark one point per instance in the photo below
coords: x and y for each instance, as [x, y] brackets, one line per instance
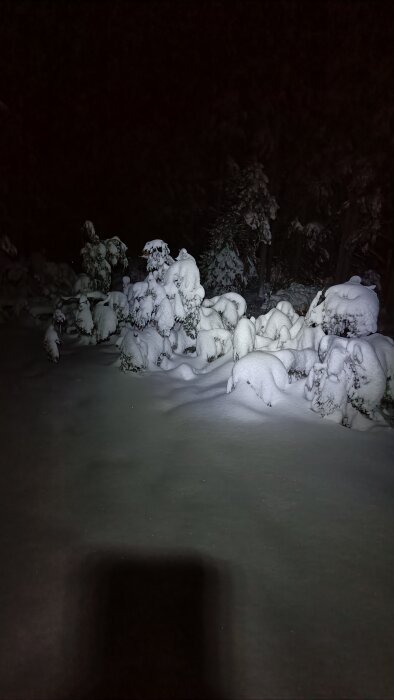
[143, 349]
[100, 257]
[212, 344]
[170, 296]
[384, 348]
[119, 303]
[157, 254]
[230, 307]
[282, 328]
[105, 320]
[59, 320]
[133, 354]
[349, 310]
[265, 374]
[185, 275]
[244, 337]
[83, 316]
[51, 343]
[348, 379]
[209, 319]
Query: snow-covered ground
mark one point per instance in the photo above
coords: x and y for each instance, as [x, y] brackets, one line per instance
[161, 538]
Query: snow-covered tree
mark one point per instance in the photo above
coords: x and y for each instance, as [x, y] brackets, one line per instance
[223, 268]
[241, 229]
[100, 257]
[312, 243]
[184, 275]
[168, 301]
[157, 254]
[342, 192]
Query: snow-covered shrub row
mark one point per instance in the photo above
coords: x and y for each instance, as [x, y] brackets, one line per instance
[343, 377]
[348, 367]
[170, 301]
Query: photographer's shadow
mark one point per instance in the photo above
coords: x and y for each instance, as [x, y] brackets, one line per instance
[149, 628]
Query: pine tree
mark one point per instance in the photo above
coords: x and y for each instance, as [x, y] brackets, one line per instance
[241, 228]
[100, 257]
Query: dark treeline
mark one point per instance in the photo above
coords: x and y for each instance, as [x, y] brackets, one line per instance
[131, 114]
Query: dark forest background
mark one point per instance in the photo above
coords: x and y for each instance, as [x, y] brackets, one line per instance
[131, 114]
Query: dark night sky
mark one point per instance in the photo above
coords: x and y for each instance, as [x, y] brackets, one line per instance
[126, 113]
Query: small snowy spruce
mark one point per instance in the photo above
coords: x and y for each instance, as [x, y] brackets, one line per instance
[157, 254]
[100, 257]
[244, 224]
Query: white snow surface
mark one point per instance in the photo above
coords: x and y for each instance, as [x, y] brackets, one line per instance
[269, 530]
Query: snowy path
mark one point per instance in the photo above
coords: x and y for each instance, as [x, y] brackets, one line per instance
[160, 539]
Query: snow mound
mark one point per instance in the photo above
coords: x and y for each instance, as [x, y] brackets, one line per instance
[212, 344]
[244, 337]
[264, 372]
[119, 303]
[83, 317]
[51, 343]
[133, 357]
[183, 371]
[209, 319]
[105, 321]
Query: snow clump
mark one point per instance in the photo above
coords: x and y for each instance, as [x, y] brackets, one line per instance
[264, 372]
[51, 343]
[244, 337]
[105, 320]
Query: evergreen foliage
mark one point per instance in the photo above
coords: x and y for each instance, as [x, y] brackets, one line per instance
[100, 257]
[244, 224]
